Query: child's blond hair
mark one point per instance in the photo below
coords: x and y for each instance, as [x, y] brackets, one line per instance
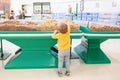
[62, 27]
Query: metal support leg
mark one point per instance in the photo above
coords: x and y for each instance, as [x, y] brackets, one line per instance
[1, 56]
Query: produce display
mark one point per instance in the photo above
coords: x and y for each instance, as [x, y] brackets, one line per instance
[47, 25]
[13, 25]
[103, 27]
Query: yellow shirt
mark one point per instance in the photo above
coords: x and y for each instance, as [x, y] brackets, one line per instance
[63, 40]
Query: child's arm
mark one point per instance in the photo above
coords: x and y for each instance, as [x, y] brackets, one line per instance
[69, 29]
[55, 32]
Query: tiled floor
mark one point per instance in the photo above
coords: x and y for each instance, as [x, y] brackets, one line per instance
[79, 70]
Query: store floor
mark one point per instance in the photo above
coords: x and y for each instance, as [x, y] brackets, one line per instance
[79, 70]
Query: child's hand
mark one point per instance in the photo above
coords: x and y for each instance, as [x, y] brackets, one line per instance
[56, 31]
